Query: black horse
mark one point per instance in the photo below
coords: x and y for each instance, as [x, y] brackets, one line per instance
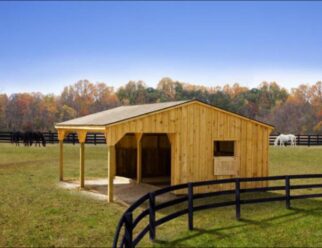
[17, 137]
[38, 137]
[28, 138]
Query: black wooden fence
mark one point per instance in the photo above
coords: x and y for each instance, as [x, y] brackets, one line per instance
[127, 223]
[52, 138]
[302, 140]
[98, 138]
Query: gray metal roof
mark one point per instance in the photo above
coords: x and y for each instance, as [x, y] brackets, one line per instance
[118, 114]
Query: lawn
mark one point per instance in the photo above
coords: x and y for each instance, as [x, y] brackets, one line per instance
[34, 211]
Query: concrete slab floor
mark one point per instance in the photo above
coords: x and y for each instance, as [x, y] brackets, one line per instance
[126, 190]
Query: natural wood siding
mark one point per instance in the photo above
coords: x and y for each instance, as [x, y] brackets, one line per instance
[193, 127]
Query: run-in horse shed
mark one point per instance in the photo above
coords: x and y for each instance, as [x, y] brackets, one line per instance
[174, 142]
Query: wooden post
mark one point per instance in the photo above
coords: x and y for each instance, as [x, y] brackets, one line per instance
[111, 171]
[287, 192]
[171, 138]
[128, 230]
[82, 162]
[237, 198]
[61, 160]
[138, 137]
[190, 206]
[81, 134]
[152, 215]
[61, 135]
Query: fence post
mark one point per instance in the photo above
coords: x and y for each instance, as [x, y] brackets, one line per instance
[190, 206]
[152, 215]
[287, 192]
[128, 230]
[317, 139]
[237, 198]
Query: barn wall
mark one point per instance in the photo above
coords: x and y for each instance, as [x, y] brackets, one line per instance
[193, 129]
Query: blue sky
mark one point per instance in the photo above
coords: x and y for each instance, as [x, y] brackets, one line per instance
[45, 46]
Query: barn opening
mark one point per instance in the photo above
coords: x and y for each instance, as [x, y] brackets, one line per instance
[224, 148]
[155, 158]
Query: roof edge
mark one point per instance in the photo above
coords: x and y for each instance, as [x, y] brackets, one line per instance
[232, 112]
[183, 102]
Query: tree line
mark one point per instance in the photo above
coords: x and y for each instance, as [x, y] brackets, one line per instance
[296, 111]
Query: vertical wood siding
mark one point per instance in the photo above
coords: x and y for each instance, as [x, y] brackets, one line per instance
[193, 128]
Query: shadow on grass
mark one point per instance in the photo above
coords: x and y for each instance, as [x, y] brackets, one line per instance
[311, 208]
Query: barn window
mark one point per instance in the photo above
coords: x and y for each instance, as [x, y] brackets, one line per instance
[224, 148]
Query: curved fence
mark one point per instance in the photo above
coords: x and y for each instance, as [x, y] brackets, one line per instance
[124, 235]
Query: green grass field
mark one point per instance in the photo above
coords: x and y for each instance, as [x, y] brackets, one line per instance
[34, 211]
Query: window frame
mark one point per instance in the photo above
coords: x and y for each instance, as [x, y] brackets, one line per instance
[225, 140]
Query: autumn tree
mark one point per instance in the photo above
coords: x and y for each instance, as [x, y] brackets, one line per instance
[3, 106]
[298, 111]
[79, 96]
[132, 93]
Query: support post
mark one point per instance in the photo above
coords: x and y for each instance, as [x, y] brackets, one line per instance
[61, 135]
[61, 160]
[82, 162]
[111, 172]
[81, 134]
[138, 137]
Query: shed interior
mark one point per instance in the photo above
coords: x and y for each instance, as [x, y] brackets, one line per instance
[156, 158]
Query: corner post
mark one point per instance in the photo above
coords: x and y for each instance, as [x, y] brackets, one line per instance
[110, 165]
[82, 162]
[82, 138]
[138, 137]
[61, 135]
[61, 160]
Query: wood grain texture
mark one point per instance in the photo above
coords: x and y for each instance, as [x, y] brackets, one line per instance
[192, 129]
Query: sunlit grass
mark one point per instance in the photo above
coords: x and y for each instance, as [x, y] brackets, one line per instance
[35, 212]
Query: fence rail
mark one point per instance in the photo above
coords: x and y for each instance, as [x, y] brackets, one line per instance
[302, 140]
[99, 138]
[52, 138]
[128, 223]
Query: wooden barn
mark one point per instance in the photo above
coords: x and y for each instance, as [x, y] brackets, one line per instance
[174, 142]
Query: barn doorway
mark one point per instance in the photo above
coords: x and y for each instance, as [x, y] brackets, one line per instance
[156, 158]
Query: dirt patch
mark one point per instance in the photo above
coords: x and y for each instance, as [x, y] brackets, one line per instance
[126, 191]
